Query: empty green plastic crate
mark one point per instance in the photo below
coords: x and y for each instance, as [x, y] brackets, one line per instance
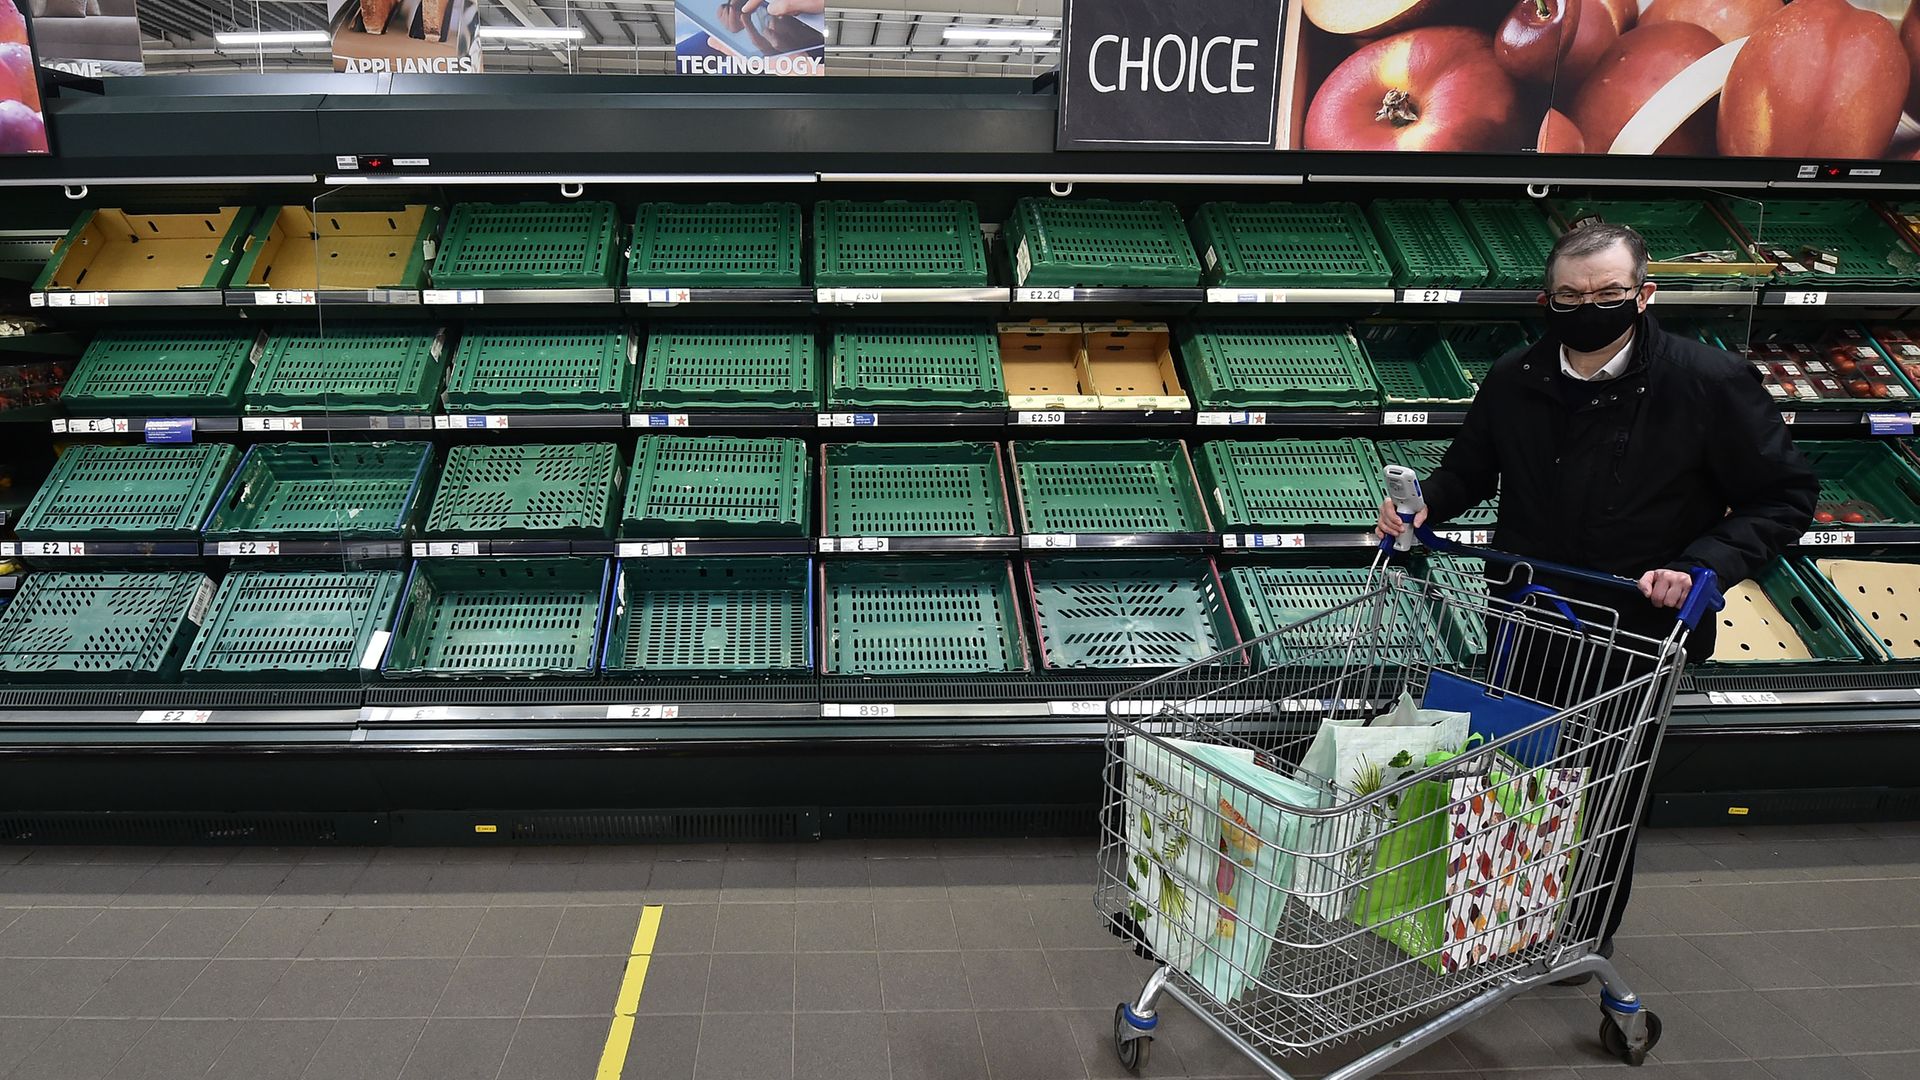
[1300, 483]
[1863, 477]
[956, 365]
[729, 366]
[914, 489]
[1477, 345]
[1428, 244]
[294, 625]
[1415, 366]
[1130, 612]
[499, 617]
[1100, 243]
[521, 367]
[180, 372]
[1871, 251]
[717, 486]
[1749, 636]
[529, 245]
[82, 627]
[682, 616]
[1515, 235]
[121, 492]
[1304, 245]
[1141, 486]
[1457, 603]
[1673, 228]
[1269, 364]
[906, 244]
[317, 491]
[1337, 606]
[529, 490]
[1424, 456]
[920, 617]
[718, 245]
[365, 368]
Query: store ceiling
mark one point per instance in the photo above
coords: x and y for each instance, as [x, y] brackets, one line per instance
[890, 37]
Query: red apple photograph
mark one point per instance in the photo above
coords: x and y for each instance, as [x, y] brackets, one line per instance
[23, 130]
[1811, 79]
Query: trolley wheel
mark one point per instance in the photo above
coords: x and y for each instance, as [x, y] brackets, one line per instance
[1133, 1052]
[1615, 1040]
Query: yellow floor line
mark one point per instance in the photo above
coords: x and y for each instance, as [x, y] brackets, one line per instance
[613, 1057]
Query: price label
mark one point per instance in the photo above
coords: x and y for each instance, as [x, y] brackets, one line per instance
[662, 297]
[91, 425]
[847, 420]
[1415, 419]
[291, 298]
[53, 548]
[1804, 299]
[660, 420]
[1246, 296]
[1264, 540]
[1743, 697]
[1044, 296]
[865, 544]
[1430, 296]
[476, 422]
[1045, 418]
[1052, 541]
[176, 716]
[9, 550]
[247, 547]
[857, 712]
[850, 296]
[454, 296]
[38, 299]
[1788, 418]
[1232, 419]
[1077, 708]
[272, 423]
[376, 649]
[652, 549]
[455, 549]
[170, 430]
[75, 299]
[643, 712]
[1826, 537]
[1890, 423]
[1463, 536]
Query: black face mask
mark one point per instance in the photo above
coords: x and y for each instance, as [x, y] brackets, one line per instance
[1590, 327]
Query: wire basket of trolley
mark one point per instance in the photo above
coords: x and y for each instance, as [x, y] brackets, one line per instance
[1370, 827]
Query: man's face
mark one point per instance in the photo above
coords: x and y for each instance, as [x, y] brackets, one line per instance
[1603, 275]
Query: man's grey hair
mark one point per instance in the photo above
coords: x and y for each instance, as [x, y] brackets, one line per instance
[1594, 238]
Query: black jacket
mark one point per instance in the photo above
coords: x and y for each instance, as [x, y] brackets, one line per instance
[1680, 462]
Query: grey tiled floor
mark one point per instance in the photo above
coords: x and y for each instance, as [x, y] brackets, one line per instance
[1785, 954]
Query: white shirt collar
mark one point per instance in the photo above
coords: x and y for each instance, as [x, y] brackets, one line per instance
[1612, 369]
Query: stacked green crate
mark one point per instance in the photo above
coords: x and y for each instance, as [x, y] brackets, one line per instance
[1415, 365]
[319, 491]
[1862, 483]
[1478, 345]
[294, 625]
[945, 364]
[899, 243]
[716, 245]
[1428, 244]
[528, 367]
[1143, 486]
[913, 489]
[89, 627]
[530, 490]
[1514, 235]
[1300, 245]
[1155, 611]
[358, 368]
[128, 492]
[920, 617]
[1777, 618]
[165, 372]
[729, 366]
[500, 618]
[1293, 483]
[1267, 364]
[715, 487]
[681, 616]
[1316, 614]
[529, 246]
[1100, 243]
[1869, 248]
[1424, 456]
[1673, 228]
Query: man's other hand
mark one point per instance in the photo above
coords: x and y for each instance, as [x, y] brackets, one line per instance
[1666, 588]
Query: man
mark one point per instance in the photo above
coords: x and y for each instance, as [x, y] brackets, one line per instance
[1619, 447]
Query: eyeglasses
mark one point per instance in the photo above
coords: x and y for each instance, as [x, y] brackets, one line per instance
[1610, 297]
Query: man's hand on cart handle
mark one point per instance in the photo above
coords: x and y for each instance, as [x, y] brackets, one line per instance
[1666, 588]
[1390, 522]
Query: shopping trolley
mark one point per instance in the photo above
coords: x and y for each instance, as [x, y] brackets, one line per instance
[1296, 913]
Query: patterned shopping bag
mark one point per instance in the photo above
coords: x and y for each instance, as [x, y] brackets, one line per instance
[1509, 859]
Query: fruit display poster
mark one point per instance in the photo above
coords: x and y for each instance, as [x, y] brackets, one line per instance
[405, 37]
[1818, 80]
[23, 125]
[750, 37]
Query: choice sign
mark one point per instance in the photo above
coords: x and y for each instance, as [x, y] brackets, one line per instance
[1172, 74]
